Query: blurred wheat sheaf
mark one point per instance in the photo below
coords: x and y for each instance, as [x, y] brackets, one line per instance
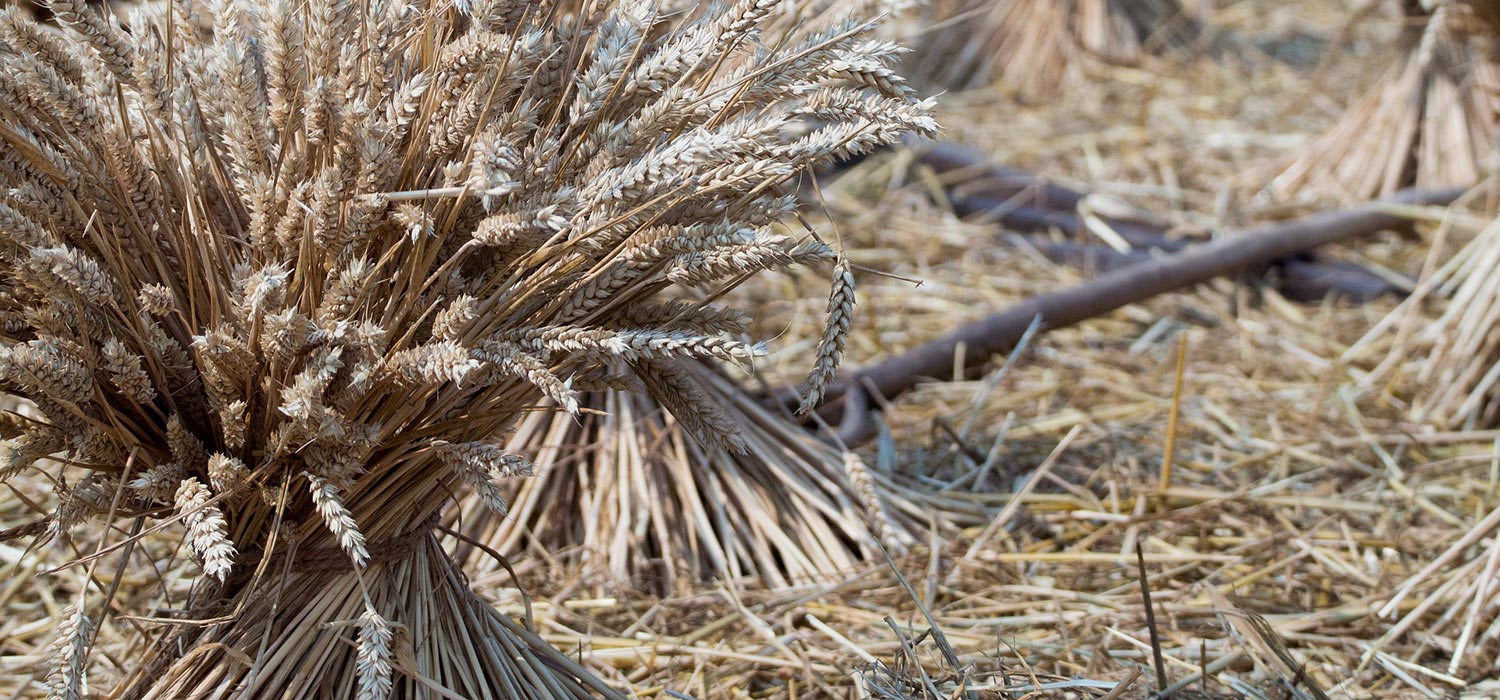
[283, 275]
[1031, 46]
[1428, 122]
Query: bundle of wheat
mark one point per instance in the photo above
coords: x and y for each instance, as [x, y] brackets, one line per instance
[1030, 46]
[1448, 366]
[638, 500]
[1429, 122]
[288, 280]
[1433, 123]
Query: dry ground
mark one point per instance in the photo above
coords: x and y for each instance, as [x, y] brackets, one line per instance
[1298, 507]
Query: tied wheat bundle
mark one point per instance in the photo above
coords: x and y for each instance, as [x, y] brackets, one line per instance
[1031, 46]
[1448, 366]
[639, 499]
[1429, 122]
[284, 275]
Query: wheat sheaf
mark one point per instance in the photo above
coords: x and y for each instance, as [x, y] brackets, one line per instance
[281, 275]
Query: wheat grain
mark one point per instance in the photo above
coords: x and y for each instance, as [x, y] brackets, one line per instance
[126, 372]
[690, 406]
[618, 40]
[224, 363]
[50, 368]
[157, 299]
[884, 527]
[227, 474]
[21, 452]
[631, 343]
[284, 76]
[88, 498]
[434, 363]
[417, 223]
[19, 233]
[26, 36]
[483, 457]
[285, 333]
[46, 205]
[706, 267]
[157, 483]
[302, 399]
[232, 424]
[68, 651]
[374, 656]
[865, 64]
[80, 273]
[479, 467]
[703, 319]
[330, 506]
[42, 84]
[103, 36]
[450, 322]
[835, 336]
[206, 528]
[246, 117]
[509, 359]
[186, 448]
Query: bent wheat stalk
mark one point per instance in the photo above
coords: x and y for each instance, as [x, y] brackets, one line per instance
[283, 276]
